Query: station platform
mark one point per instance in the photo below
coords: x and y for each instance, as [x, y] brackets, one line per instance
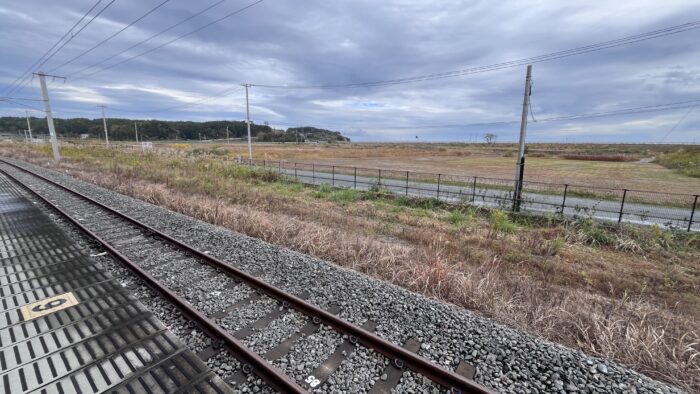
[66, 326]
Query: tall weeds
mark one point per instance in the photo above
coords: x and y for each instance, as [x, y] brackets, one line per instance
[464, 265]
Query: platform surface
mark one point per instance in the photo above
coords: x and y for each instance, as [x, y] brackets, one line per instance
[67, 327]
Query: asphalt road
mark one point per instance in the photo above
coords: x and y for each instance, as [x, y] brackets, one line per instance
[639, 213]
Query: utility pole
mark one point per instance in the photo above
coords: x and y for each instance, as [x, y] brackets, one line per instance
[104, 122]
[29, 126]
[228, 140]
[520, 164]
[136, 130]
[25, 135]
[49, 116]
[247, 117]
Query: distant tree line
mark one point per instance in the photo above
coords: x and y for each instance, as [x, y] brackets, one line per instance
[151, 130]
[302, 134]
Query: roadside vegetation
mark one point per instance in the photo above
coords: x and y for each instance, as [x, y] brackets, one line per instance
[685, 161]
[626, 293]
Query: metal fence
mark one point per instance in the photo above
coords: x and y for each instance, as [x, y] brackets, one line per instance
[670, 210]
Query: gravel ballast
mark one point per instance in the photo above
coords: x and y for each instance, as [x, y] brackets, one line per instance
[506, 360]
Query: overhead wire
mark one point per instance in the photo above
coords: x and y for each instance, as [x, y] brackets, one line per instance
[64, 44]
[508, 64]
[238, 11]
[30, 68]
[137, 20]
[691, 109]
[199, 101]
[620, 112]
[147, 39]
[6, 100]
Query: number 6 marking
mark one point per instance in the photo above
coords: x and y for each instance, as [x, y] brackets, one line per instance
[49, 305]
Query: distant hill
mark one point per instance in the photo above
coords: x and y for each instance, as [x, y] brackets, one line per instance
[303, 134]
[123, 129]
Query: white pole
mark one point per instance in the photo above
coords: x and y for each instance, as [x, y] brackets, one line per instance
[521, 146]
[104, 122]
[49, 117]
[136, 130]
[25, 135]
[228, 140]
[29, 126]
[247, 117]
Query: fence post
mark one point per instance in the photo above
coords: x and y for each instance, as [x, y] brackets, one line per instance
[333, 177]
[474, 190]
[692, 213]
[380, 180]
[313, 173]
[264, 163]
[354, 183]
[438, 187]
[563, 201]
[295, 172]
[622, 205]
[279, 166]
[407, 183]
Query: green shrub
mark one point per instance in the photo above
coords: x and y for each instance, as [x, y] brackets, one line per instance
[403, 201]
[556, 245]
[457, 218]
[500, 223]
[346, 195]
[322, 191]
[594, 234]
[686, 162]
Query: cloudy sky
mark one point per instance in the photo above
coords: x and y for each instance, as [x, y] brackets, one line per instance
[308, 43]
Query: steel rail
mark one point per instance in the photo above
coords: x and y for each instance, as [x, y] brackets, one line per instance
[411, 360]
[266, 371]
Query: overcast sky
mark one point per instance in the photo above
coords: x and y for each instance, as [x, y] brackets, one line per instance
[316, 42]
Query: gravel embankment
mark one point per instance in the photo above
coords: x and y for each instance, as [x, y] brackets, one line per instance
[506, 360]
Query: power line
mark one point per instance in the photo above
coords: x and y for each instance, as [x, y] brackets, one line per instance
[625, 111]
[679, 122]
[220, 94]
[30, 68]
[20, 99]
[238, 11]
[513, 63]
[148, 39]
[6, 100]
[64, 44]
[110, 37]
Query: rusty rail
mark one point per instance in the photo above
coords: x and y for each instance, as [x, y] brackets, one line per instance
[266, 371]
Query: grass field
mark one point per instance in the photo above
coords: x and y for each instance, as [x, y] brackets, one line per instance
[626, 293]
[544, 163]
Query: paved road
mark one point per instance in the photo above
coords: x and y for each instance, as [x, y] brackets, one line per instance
[638, 213]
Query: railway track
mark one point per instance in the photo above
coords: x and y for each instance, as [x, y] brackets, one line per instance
[178, 272]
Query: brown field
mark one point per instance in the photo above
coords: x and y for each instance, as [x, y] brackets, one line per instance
[629, 294]
[543, 162]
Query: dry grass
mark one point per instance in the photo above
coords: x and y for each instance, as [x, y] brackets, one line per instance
[633, 300]
[543, 162]
[599, 157]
